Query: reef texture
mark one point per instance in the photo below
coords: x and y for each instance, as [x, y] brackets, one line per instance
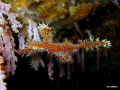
[62, 30]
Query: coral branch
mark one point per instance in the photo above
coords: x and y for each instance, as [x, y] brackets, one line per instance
[6, 37]
[7, 45]
[4, 9]
[2, 75]
[33, 31]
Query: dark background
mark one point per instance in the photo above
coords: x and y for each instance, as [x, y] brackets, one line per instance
[108, 74]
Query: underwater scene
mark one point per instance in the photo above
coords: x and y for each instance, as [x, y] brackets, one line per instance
[59, 44]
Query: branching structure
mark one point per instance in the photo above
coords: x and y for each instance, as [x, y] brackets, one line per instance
[40, 38]
[61, 50]
[2, 75]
